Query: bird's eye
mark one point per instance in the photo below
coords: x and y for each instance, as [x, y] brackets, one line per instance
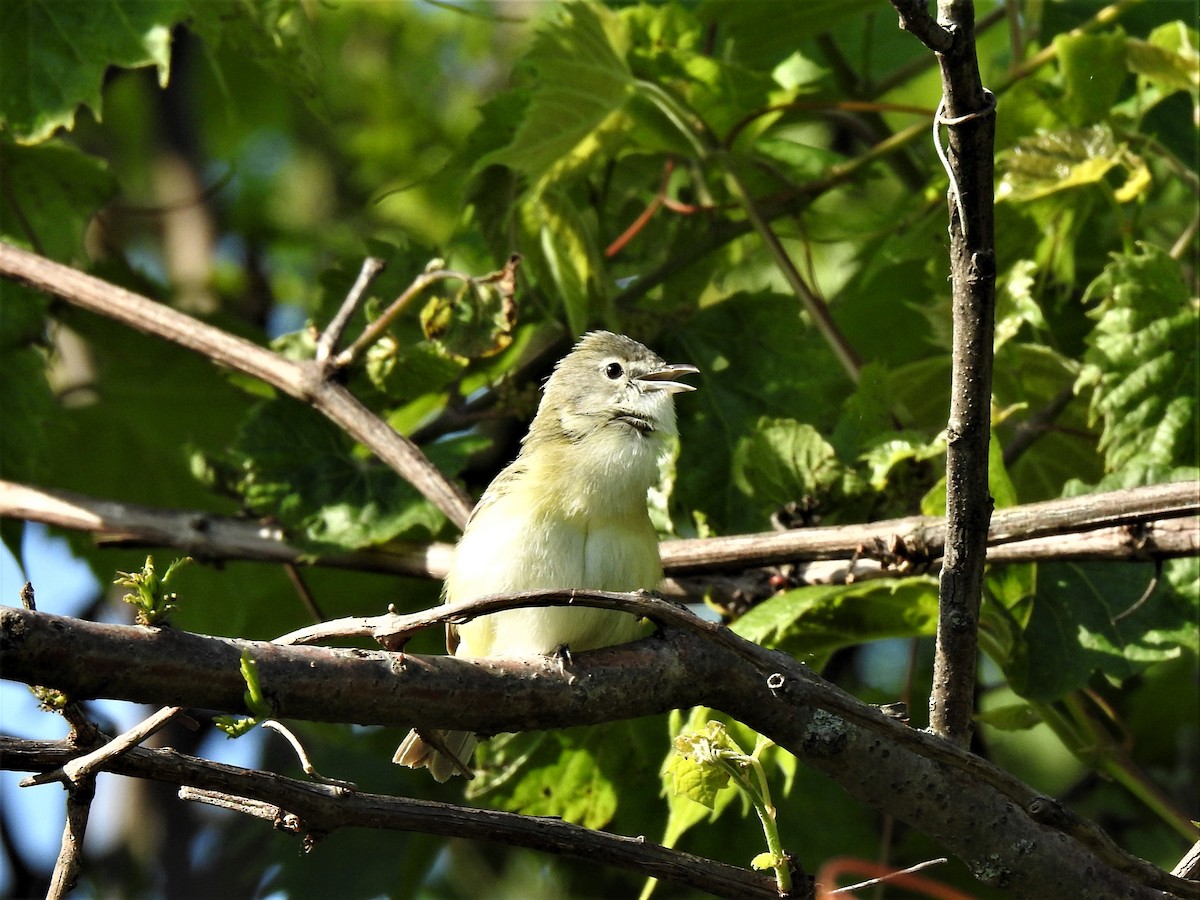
[613, 371]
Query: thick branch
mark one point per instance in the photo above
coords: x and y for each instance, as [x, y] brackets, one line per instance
[317, 810]
[1004, 830]
[303, 380]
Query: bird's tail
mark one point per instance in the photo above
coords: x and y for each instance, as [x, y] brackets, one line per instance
[443, 753]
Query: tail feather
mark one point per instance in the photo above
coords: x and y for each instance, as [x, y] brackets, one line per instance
[443, 753]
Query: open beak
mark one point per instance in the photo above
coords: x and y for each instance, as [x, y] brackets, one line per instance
[664, 379]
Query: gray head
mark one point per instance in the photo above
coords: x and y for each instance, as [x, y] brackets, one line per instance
[613, 385]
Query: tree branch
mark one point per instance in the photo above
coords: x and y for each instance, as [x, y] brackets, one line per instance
[316, 810]
[1006, 832]
[969, 111]
[304, 381]
[1144, 523]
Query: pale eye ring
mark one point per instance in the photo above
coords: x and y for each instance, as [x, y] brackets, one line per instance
[613, 371]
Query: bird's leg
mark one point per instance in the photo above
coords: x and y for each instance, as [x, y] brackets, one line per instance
[562, 655]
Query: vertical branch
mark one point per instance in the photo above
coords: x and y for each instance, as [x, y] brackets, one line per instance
[967, 110]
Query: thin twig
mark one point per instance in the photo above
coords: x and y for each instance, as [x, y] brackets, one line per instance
[70, 854]
[897, 876]
[332, 335]
[375, 330]
[305, 763]
[82, 767]
[304, 381]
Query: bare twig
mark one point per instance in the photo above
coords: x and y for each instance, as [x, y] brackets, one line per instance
[82, 768]
[202, 535]
[314, 810]
[70, 853]
[1095, 526]
[332, 335]
[303, 380]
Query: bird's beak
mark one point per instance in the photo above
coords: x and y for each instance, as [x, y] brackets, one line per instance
[663, 379]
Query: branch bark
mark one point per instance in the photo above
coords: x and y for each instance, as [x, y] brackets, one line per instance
[315, 810]
[1145, 523]
[1008, 834]
[969, 111]
[305, 381]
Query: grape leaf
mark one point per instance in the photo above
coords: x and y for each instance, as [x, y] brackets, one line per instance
[56, 55]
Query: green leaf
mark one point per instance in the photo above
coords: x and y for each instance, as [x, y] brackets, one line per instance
[1011, 717]
[56, 56]
[405, 372]
[565, 256]
[51, 192]
[1016, 305]
[1093, 70]
[785, 461]
[276, 34]
[751, 368]
[695, 781]
[571, 775]
[302, 469]
[1143, 361]
[1084, 620]
[1168, 58]
[768, 32]
[577, 102]
[1062, 160]
[812, 622]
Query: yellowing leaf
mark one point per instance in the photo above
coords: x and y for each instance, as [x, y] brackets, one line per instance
[1061, 160]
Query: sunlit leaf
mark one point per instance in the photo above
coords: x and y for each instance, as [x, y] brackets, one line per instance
[1093, 69]
[56, 55]
[1087, 618]
[1062, 160]
[783, 461]
[812, 622]
[1143, 362]
[1168, 57]
[576, 104]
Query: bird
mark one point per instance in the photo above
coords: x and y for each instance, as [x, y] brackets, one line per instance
[569, 512]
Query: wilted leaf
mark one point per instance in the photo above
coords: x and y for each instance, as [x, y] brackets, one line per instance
[478, 321]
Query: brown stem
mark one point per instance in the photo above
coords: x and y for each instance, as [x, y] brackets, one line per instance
[303, 380]
[969, 113]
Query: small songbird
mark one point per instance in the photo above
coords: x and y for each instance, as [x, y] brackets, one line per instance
[568, 512]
